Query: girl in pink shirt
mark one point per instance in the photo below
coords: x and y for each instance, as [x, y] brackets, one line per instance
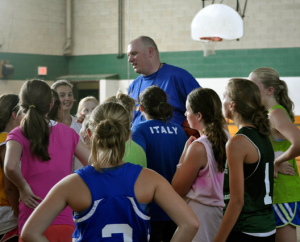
[200, 172]
[46, 149]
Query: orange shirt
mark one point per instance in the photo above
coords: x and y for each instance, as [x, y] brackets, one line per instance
[3, 198]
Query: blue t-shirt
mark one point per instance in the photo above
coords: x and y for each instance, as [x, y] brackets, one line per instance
[176, 82]
[163, 143]
[115, 214]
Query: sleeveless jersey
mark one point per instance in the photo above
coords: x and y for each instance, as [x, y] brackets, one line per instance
[3, 199]
[257, 215]
[286, 188]
[115, 214]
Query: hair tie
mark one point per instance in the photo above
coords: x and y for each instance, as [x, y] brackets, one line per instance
[281, 86]
[31, 106]
[214, 120]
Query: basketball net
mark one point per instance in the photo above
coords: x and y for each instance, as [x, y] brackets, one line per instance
[208, 44]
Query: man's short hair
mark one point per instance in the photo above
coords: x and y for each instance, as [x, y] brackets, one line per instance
[59, 83]
[148, 42]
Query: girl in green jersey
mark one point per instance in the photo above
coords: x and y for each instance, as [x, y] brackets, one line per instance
[285, 139]
[249, 169]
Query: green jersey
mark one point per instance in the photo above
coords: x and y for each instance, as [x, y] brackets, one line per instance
[257, 215]
[135, 154]
[286, 188]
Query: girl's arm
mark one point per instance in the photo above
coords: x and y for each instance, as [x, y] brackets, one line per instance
[177, 209]
[82, 153]
[236, 150]
[282, 123]
[13, 172]
[11, 191]
[193, 158]
[12, 194]
[54, 203]
[138, 137]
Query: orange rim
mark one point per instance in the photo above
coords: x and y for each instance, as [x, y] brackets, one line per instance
[211, 38]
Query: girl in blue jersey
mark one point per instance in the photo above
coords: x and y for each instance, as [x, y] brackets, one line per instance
[110, 198]
[163, 143]
[248, 178]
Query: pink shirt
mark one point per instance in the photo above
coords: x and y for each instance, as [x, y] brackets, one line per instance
[42, 176]
[208, 186]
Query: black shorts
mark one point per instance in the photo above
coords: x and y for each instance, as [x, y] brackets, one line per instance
[162, 231]
[239, 236]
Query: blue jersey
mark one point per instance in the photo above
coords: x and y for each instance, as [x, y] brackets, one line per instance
[177, 84]
[163, 143]
[115, 214]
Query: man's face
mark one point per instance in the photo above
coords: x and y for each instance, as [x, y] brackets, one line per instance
[137, 56]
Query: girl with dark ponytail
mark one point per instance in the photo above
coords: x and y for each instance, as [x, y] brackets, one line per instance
[111, 198]
[46, 149]
[285, 138]
[200, 172]
[163, 143]
[249, 169]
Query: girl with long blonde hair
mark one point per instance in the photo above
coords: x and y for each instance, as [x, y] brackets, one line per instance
[285, 138]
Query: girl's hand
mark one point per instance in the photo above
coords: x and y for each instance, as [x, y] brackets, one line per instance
[28, 197]
[284, 168]
[189, 141]
[187, 144]
[81, 119]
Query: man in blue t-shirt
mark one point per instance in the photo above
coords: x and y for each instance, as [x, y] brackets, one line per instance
[176, 82]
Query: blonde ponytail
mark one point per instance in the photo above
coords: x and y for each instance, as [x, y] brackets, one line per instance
[270, 78]
[110, 127]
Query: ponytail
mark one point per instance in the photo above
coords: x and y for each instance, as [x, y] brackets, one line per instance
[270, 78]
[35, 98]
[218, 138]
[108, 143]
[155, 103]
[283, 99]
[261, 121]
[110, 127]
[248, 104]
[207, 102]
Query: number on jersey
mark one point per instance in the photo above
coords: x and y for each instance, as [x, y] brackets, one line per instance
[124, 229]
[267, 198]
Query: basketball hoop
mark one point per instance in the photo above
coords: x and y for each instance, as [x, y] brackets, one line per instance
[216, 22]
[208, 44]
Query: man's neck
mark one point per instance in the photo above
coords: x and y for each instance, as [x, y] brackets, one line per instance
[153, 69]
